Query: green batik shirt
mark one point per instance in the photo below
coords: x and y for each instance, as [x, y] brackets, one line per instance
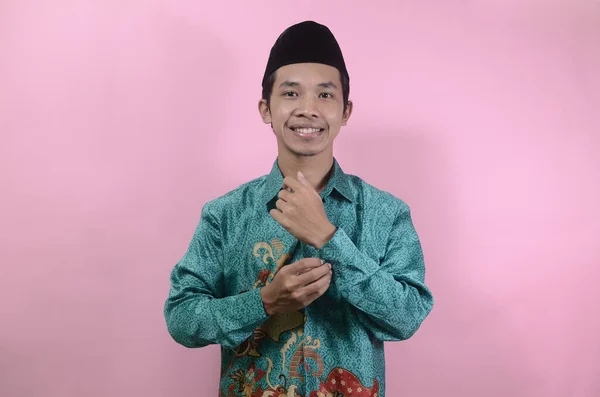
[333, 347]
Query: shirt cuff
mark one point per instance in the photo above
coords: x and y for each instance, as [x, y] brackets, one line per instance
[256, 306]
[350, 265]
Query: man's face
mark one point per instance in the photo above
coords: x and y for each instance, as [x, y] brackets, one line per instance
[306, 108]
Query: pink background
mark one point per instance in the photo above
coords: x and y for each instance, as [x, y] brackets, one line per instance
[119, 120]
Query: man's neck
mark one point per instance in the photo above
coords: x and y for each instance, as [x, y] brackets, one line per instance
[315, 168]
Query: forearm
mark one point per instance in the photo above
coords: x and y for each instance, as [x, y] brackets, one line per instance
[392, 309]
[197, 320]
[391, 304]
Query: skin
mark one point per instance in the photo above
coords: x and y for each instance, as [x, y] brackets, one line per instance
[304, 95]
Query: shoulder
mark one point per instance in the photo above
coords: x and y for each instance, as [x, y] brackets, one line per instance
[373, 198]
[236, 201]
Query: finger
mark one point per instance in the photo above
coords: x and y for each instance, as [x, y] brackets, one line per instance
[293, 183]
[314, 274]
[285, 195]
[319, 285]
[302, 179]
[317, 289]
[304, 265]
[282, 205]
[277, 215]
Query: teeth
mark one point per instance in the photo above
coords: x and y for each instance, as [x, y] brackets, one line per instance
[307, 130]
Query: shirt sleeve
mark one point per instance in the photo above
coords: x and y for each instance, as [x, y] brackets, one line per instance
[196, 311]
[391, 296]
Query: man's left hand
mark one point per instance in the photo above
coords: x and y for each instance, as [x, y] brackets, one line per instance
[301, 212]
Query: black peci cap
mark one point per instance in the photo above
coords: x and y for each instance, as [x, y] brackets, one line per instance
[305, 42]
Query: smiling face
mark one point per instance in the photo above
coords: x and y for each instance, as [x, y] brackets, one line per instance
[306, 109]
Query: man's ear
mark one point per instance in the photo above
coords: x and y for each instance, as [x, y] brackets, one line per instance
[347, 113]
[265, 112]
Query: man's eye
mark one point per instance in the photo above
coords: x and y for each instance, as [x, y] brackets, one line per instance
[326, 95]
[289, 93]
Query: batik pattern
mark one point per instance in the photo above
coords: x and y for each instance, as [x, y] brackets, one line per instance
[335, 346]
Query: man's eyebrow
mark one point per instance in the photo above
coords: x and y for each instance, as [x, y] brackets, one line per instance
[329, 84]
[288, 83]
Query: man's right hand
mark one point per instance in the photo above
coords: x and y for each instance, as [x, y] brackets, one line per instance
[296, 286]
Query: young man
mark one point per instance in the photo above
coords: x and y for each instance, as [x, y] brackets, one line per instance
[302, 274]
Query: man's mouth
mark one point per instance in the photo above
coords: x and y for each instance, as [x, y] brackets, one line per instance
[307, 131]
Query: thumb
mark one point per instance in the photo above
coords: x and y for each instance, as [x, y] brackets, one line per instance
[303, 179]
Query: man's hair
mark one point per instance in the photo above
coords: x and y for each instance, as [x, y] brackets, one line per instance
[270, 82]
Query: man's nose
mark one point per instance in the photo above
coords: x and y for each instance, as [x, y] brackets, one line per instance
[308, 107]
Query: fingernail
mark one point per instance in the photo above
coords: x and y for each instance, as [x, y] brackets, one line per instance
[329, 265]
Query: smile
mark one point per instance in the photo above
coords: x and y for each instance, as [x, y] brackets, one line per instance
[307, 132]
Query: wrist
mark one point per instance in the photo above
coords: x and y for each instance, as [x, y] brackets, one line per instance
[267, 301]
[328, 233]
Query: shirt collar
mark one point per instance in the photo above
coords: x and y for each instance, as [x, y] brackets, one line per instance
[338, 182]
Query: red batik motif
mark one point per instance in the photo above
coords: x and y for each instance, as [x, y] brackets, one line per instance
[244, 382]
[342, 382]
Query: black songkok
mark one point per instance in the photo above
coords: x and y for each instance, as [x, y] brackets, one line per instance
[305, 42]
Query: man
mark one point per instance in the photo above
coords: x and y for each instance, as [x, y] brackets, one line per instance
[302, 274]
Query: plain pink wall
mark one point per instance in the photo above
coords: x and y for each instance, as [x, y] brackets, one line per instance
[119, 120]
